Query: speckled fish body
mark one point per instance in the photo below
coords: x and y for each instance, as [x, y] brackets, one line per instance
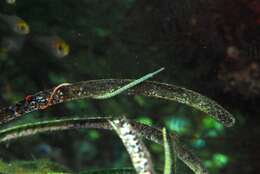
[151, 133]
[96, 88]
[44, 99]
[137, 150]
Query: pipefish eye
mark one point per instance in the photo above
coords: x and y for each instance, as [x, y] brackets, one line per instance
[23, 27]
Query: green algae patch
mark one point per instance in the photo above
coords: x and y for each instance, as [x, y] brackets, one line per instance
[32, 167]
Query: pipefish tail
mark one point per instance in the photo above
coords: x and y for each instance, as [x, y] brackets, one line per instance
[150, 133]
[97, 89]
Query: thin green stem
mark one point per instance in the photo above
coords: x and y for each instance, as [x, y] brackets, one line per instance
[168, 164]
[129, 85]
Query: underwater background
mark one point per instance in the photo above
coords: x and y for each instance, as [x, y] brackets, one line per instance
[211, 47]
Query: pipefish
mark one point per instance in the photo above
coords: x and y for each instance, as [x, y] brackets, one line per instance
[140, 156]
[101, 89]
[66, 92]
[153, 134]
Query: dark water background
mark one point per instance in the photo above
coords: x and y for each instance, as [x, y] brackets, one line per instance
[207, 46]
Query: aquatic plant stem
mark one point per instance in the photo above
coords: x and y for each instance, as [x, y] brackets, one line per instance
[167, 144]
[129, 85]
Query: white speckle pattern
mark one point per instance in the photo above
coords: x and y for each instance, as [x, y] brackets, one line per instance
[137, 150]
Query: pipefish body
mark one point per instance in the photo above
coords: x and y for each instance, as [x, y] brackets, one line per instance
[137, 150]
[97, 89]
[148, 132]
[61, 93]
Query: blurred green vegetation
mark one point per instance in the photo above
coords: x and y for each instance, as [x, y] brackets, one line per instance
[125, 39]
[22, 167]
